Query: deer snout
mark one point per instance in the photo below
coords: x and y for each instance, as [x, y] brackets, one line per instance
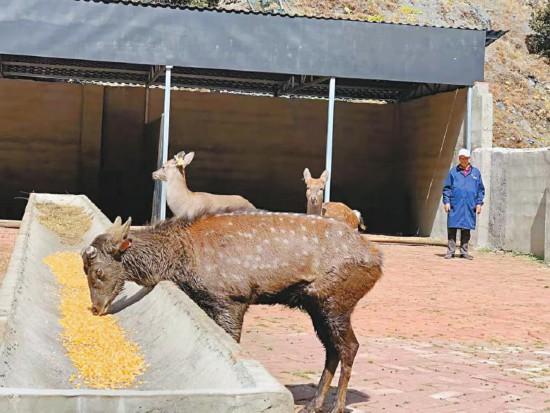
[96, 310]
[158, 175]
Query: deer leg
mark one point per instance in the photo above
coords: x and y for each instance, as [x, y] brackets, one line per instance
[331, 362]
[230, 316]
[347, 345]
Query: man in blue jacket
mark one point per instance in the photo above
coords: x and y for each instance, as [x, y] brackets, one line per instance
[463, 194]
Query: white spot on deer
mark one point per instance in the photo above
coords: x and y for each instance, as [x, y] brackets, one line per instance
[303, 228]
[281, 219]
[230, 223]
[315, 240]
[340, 233]
[266, 241]
[285, 241]
[304, 238]
[292, 232]
[272, 229]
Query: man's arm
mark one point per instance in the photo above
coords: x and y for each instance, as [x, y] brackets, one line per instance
[480, 194]
[447, 191]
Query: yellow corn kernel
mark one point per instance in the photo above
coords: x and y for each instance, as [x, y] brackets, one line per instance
[97, 346]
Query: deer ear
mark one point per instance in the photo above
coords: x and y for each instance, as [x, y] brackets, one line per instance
[126, 228]
[307, 175]
[113, 229]
[188, 158]
[90, 252]
[324, 176]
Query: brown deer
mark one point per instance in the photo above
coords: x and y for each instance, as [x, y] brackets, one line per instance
[225, 263]
[191, 205]
[337, 210]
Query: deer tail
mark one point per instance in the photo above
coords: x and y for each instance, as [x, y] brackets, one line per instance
[360, 218]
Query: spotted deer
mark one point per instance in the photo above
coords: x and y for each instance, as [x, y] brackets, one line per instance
[315, 188]
[188, 204]
[225, 263]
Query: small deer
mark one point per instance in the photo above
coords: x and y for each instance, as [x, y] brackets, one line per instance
[191, 205]
[336, 210]
[225, 263]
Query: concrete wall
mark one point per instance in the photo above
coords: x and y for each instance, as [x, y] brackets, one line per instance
[430, 130]
[518, 206]
[482, 137]
[388, 159]
[40, 132]
[259, 147]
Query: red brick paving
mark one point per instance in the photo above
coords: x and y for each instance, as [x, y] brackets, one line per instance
[435, 335]
[7, 240]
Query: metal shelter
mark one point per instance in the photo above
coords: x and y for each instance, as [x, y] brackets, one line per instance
[150, 44]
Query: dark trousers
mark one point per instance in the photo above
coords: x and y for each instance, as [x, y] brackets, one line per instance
[464, 239]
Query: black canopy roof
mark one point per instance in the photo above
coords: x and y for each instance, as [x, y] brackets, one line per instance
[116, 41]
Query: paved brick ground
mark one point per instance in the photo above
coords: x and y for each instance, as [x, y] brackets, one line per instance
[7, 240]
[436, 336]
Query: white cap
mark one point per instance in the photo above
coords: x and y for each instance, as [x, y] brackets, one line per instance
[464, 152]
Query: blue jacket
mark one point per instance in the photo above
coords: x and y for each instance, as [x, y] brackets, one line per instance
[463, 193]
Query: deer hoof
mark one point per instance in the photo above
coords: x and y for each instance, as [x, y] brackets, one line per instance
[310, 408]
[337, 409]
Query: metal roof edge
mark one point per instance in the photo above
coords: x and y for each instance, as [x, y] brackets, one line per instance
[281, 15]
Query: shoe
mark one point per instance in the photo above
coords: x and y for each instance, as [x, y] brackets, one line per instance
[467, 256]
[449, 256]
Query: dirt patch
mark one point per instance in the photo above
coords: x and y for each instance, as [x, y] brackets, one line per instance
[70, 223]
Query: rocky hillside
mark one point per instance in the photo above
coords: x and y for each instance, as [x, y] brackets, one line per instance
[520, 82]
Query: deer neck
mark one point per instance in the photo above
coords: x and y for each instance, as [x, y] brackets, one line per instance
[177, 188]
[314, 209]
[144, 265]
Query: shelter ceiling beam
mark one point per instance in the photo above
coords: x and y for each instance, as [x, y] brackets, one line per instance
[154, 73]
[295, 83]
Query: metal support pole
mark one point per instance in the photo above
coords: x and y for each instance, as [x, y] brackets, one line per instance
[468, 121]
[165, 136]
[146, 113]
[330, 126]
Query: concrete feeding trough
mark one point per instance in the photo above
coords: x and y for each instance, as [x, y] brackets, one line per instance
[194, 365]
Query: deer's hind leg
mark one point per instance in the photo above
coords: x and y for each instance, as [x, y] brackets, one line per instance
[229, 316]
[322, 328]
[346, 345]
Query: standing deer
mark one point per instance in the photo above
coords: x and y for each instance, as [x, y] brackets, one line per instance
[337, 210]
[225, 263]
[191, 205]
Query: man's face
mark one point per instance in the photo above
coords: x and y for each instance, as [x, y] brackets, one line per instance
[464, 161]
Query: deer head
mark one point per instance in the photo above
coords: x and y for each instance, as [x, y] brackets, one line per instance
[103, 267]
[314, 191]
[174, 166]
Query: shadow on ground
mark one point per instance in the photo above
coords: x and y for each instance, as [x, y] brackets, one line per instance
[303, 393]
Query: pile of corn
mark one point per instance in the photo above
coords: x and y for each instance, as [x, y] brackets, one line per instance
[69, 222]
[97, 346]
